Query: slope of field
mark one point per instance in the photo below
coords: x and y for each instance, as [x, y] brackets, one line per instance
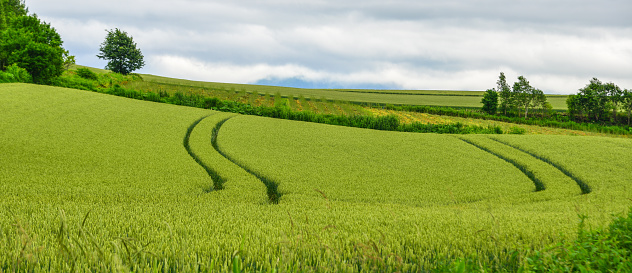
[92, 182]
[356, 165]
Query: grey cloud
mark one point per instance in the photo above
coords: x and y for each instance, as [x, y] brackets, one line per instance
[366, 42]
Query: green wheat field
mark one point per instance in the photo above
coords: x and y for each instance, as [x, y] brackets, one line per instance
[93, 183]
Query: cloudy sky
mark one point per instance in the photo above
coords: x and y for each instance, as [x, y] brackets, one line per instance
[558, 45]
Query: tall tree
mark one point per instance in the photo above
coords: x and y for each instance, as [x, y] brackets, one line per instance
[504, 92]
[121, 52]
[524, 94]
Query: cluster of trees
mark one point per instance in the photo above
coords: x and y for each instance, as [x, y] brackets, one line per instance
[31, 50]
[599, 102]
[28, 43]
[515, 101]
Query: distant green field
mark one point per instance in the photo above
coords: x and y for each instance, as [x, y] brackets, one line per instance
[470, 99]
[92, 182]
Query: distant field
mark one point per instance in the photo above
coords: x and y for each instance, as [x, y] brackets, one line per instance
[468, 99]
[99, 182]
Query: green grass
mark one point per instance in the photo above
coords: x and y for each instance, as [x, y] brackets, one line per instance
[93, 182]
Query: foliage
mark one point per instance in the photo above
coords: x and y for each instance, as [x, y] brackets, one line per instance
[525, 96]
[627, 103]
[15, 73]
[33, 45]
[72, 79]
[554, 121]
[10, 9]
[517, 130]
[490, 101]
[121, 52]
[521, 97]
[595, 101]
[504, 92]
[86, 73]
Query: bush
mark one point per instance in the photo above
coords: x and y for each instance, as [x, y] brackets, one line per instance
[517, 130]
[87, 74]
[6, 77]
[14, 73]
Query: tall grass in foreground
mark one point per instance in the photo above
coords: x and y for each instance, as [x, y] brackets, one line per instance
[100, 183]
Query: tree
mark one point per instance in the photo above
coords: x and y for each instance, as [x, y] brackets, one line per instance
[615, 95]
[34, 45]
[539, 100]
[627, 102]
[10, 9]
[504, 92]
[121, 52]
[490, 101]
[525, 96]
[594, 100]
[522, 94]
[575, 108]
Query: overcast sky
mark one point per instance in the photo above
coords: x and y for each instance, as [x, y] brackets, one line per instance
[558, 45]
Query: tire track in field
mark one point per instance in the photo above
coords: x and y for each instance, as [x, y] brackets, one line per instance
[218, 181]
[582, 185]
[272, 186]
[539, 185]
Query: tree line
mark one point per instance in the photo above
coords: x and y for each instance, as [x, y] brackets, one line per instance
[514, 101]
[600, 102]
[597, 102]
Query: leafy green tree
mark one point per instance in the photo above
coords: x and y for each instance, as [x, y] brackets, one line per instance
[33, 45]
[15, 73]
[615, 96]
[519, 92]
[574, 106]
[490, 101]
[538, 100]
[121, 52]
[10, 9]
[526, 96]
[594, 100]
[504, 92]
[627, 102]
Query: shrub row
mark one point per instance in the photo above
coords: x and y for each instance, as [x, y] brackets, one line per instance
[387, 123]
[556, 120]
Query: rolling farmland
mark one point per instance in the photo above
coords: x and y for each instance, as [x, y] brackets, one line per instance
[466, 99]
[102, 183]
